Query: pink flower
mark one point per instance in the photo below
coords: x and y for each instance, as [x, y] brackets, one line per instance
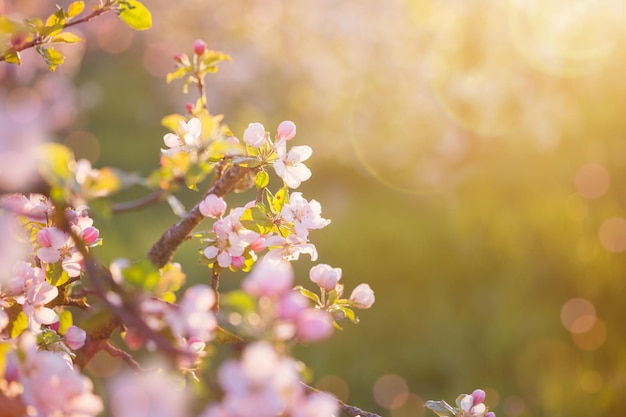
[472, 405]
[56, 246]
[362, 296]
[305, 215]
[254, 135]
[52, 388]
[148, 394]
[269, 279]
[75, 337]
[194, 318]
[212, 206]
[289, 165]
[39, 293]
[313, 325]
[325, 276]
[231, 241]
[4, 320]
[286, 130]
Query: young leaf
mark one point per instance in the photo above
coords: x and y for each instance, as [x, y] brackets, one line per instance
[135, 15]
[75, 9]
[65, 321]
[19, 325]
[52, 57]
[66, 37]
[280, 199]
[262, 179]
[441, 408]
[12, 56]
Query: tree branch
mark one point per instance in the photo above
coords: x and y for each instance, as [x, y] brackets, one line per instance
[161, 252]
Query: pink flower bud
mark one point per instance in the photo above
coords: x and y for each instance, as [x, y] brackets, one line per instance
[258, 245]
[325, 276]
[478, 396]
[362, 296]
[199, 46]
[254, 135]
[212, 206]
[90, 235]
[490, 414]
[179, 58]
[134, 340]
[75, 337]
[286, 130]
[314, 325]
[237, 261]
[55, 326]
[189, 108]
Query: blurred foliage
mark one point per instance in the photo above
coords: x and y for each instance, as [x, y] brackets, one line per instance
[452, 149]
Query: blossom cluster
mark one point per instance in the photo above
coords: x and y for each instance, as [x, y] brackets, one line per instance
[264, 383]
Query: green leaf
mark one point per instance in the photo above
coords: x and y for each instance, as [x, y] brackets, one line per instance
[19, 325]
[12, 56]
[225, 337]
[52, 57]
[256, 219]
[56, 275]
[75, 9]
[441, 408]
[179, 73]
[172, 121]
[262, 179]
[143, 275]
[54, 163]
[280, 199]
[65, 321]
[66, 37]
[135, 15]
[308, 294]
[238, 301]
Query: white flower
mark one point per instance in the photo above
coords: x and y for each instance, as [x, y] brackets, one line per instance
[305, 215]
[289, 165]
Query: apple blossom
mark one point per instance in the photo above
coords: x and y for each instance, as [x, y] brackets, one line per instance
[75, 337]
[305, 215]
[193, 316]
[52, 388]
[254, 135]
[212, 206]
[269, 279]
[325, 276]
[56, 245]
[362, 296]
[231, 241]
[189, 137]
[148, 394]
[313, 325]
[39, 293]
[289, 248]
[289, 165]
[286, 130]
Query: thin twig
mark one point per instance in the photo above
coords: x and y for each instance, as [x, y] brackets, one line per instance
[139, 203]
[125, 356]
[349, 410]
[40, 40]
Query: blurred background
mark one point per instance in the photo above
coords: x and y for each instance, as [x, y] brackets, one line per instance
[470, 154]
